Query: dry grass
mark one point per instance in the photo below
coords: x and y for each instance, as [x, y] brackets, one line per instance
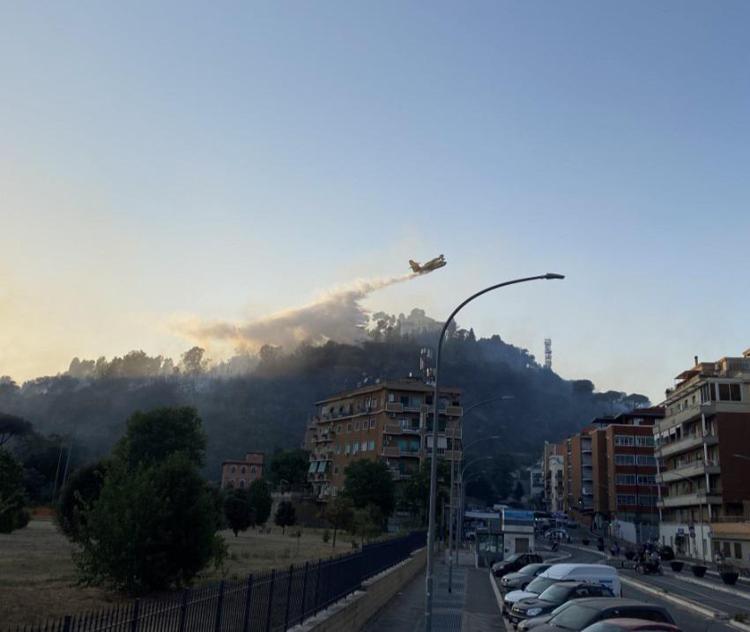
[38, 577]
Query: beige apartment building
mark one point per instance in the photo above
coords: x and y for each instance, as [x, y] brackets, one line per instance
[703, 450]
[390, 421]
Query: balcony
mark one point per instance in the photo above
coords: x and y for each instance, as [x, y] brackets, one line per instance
[697, 468]
[397, 429]
[396, 452]
[689, 442]
[453, 411]
[689, 500]
[394, 407]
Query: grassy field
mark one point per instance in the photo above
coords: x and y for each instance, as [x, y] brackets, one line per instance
[38, 577]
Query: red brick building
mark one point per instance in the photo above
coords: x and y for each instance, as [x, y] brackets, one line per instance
[241, 473]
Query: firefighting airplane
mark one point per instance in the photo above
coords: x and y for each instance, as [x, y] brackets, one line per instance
[429, 266]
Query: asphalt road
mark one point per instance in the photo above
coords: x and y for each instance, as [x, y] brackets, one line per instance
[704, 595]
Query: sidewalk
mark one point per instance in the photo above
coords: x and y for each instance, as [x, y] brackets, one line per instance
[471, 607]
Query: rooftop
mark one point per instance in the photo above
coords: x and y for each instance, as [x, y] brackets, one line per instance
[415, 385]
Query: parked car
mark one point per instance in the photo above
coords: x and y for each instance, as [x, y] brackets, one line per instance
[514, 563]
[594, 573]
[520, 579]
[666, 553]
[555, 596]
[579, 614]
[628, 625]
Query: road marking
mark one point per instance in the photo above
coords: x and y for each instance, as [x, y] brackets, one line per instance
[726, 589]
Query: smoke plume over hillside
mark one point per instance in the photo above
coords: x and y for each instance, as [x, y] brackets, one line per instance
[335, 315]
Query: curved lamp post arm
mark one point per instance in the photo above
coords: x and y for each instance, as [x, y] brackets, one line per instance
[435, 423]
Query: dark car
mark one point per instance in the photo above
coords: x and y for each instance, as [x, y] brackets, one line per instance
[580, 613]
[628, 625]
[666, 553]
[520, 579]
[555, 596]
[514, 563]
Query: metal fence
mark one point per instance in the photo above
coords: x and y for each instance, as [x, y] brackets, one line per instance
[263, 602]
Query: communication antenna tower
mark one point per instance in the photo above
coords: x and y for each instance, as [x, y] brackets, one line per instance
[425, 364]
[548, 353]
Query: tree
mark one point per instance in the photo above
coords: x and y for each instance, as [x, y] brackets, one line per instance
[285, 515]
[151, 528]
[339, 513]
[193, 362]
[12, 513]
[78, 495]
[370, 483]
[518, 491]
[259, 498]
[368, 522]
[12, 426]
[414, 495]
[153, 435]
[238, 511]
[289, 468]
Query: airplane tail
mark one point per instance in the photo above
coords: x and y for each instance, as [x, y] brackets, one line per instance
[414, 265]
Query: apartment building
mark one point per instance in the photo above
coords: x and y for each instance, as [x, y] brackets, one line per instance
[389, 421]
[702, 445]
[609, 473]
[242, 472]
[629, 483]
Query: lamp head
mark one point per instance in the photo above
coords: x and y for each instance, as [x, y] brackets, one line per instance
[554, 275]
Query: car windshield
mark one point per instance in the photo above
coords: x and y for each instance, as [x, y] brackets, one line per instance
[530, 569]
[556, 593]
[540, 584]
[512, 558]
[576, 617]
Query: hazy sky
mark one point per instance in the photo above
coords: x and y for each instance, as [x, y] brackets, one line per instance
[163, 161]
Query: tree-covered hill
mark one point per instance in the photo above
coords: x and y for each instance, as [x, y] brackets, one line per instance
[267, 406]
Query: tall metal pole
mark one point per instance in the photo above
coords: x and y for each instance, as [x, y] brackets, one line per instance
[430, 571]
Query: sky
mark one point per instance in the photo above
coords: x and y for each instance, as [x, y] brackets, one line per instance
[163, 161]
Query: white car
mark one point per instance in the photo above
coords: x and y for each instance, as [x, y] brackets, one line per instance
[595, 573]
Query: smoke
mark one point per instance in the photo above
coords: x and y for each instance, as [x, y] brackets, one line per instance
[335, 315]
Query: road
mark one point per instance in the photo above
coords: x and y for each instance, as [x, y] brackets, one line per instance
[709, 594]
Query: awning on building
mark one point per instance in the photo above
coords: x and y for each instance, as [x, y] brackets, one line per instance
[313, 467]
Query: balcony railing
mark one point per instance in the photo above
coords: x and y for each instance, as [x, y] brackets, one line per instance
[686, 443]
[689, 500]
[697, 468]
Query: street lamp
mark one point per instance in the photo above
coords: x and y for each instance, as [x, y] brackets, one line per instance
[435, 423]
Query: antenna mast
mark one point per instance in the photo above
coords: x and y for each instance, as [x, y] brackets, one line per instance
[548, 353]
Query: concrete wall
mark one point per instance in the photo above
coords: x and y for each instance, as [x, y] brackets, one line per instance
[692, 547]
[353, 612]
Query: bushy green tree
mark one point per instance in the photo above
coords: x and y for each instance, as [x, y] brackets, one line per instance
[153, 525]
[414, 493]
[12, 513]
[259, 498]
[285, 516]
[151, 528]
[79, 493]
[368, 522]
[370, 483]
[152, 436]
[288, 469]
[238, 512]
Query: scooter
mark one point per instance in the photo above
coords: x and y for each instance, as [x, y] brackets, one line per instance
[648, 568]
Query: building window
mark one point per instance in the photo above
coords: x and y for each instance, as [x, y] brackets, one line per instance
[356, 426]
[242, 470]
[647, 442]
[646, 459]
[626, 479]
[625, 499]
[252, 469]
[738, 550]
[624, 459]
[355, 447]
[646, 479]
[624, 440]
[371, 446]
[242, 482]
[707, 393]
[348, 427]
[233, 469]
[725, 550]
[372, 423]
[729, 392]
[347, 449]
[338, 427]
